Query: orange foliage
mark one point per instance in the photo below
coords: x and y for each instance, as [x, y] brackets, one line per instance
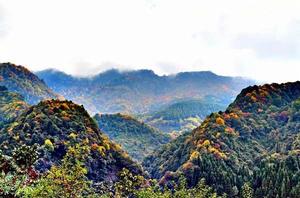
[188, 165]
[94, 146]
[220, 121]
[254, 99]
[234, 115]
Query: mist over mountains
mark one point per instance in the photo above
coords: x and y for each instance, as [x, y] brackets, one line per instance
[141, 91]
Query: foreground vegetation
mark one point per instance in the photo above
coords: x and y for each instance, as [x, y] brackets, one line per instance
[69, 179]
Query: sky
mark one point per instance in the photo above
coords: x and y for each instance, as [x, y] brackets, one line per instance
[259, 39]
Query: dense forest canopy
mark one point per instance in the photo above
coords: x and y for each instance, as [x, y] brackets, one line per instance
[54, 148]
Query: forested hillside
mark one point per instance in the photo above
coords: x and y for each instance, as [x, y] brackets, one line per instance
[52, 124]
[55, 149]
[20, 80]
[182, 116]
[137, 138]
[255, 140]
[11, 105]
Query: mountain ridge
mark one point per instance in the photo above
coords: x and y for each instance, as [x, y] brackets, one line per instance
[241, 144]
[136, 92]
[19, 79]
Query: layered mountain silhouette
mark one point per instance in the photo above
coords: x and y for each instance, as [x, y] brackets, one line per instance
[255, 140]
[141, 91]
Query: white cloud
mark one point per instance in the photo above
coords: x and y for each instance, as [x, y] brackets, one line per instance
[258, 39]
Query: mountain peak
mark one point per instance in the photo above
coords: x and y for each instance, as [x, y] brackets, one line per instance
[261, 97]
[19, 79]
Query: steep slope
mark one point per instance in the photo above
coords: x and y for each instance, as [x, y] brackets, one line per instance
[21, 80]
[141, 91]
[52, 123]
[182, 116]
[11, 105]
[137, 138]
[255, 140]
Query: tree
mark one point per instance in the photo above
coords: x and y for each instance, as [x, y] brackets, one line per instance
[17, 171]
[65, 180]
[247, 191]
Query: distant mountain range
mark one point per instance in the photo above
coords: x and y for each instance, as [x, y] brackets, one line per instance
[141, 91]
[248, 147]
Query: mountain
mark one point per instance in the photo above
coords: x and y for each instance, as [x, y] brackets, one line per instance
[11, 105]
[255, 140]
[182, 116]
[141, 91]
[51, 124]
[20, 80]
[137, 138]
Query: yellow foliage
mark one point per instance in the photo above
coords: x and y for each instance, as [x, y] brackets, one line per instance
[72, 135]
[206, 143]
[187, 165]
[216, 152]
[106, 143]
[253, 98]
[218, 135]
[86, 141]
[194, 155]
[17, 137]
[118, 147]
[101, 150]
[220, 121]
[89, 130]
[48, 144]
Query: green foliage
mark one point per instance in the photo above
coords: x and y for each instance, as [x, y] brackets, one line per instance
[263, 122]
[11, 106]
[247, 191]
[17, 171]
[201, 190]
[22, 81]
[182, 116]
[65, 180]
[135, 137]
[51, 124]
[25, 156]
[128, 183]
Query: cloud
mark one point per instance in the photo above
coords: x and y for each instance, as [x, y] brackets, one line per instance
[3, 28]
[271, 44]
[233, 37]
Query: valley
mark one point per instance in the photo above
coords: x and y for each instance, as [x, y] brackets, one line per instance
[137, 134]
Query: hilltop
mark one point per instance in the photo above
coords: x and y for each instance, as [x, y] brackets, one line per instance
[255, 140]
[20, 80]
[51, 124]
